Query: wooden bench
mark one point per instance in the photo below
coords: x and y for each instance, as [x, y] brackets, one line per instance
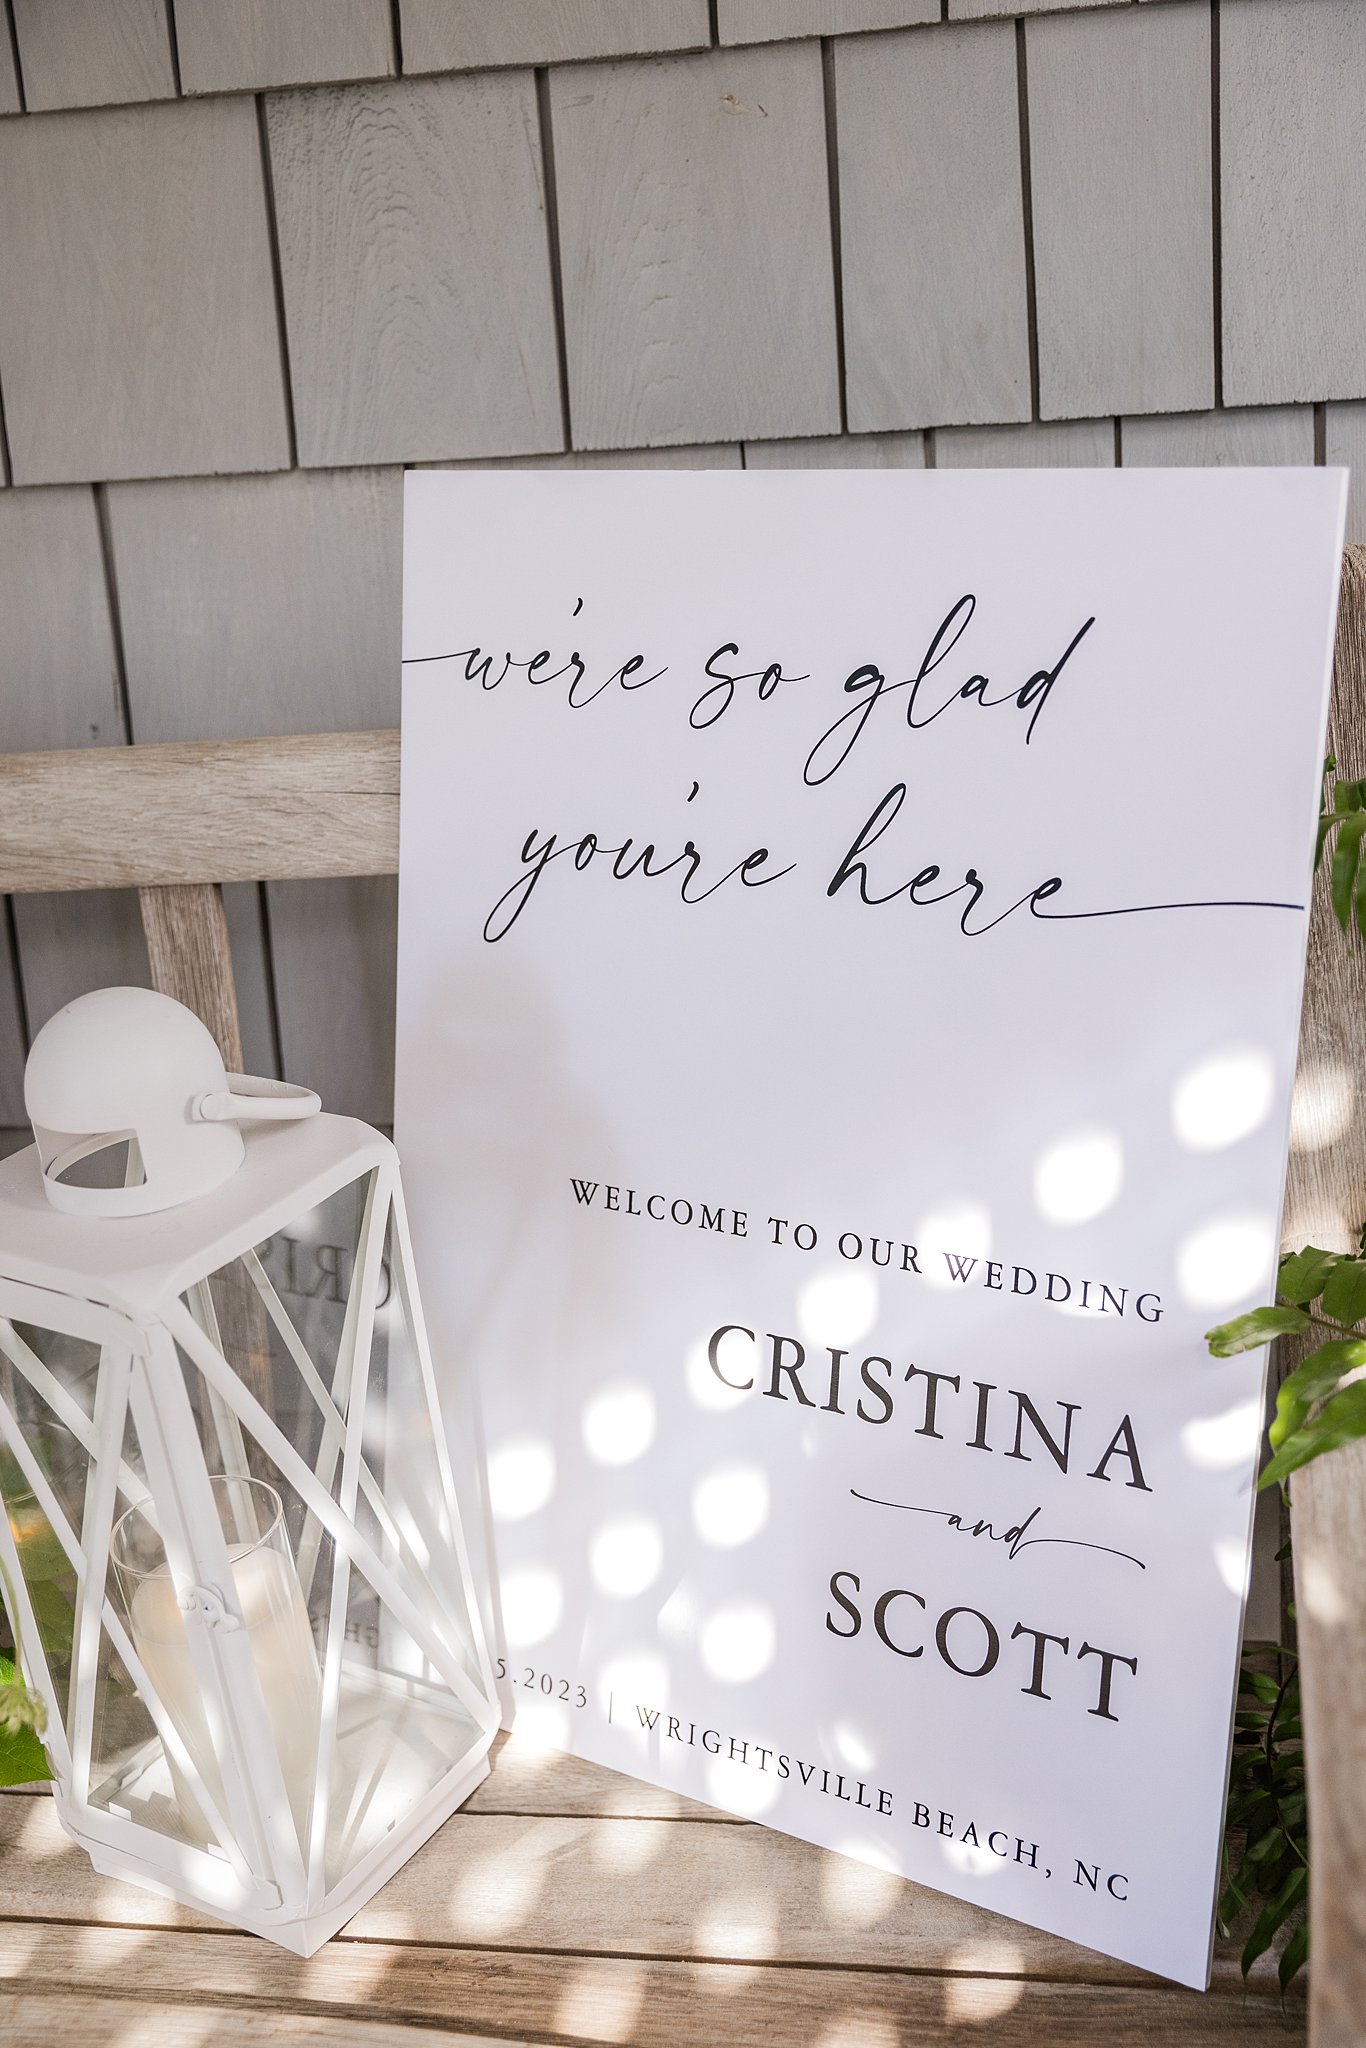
[566, 1903]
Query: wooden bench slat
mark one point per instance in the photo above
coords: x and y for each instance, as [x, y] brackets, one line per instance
[675, 1890]
[54, 2019]
[655, 2004]
[309, 805]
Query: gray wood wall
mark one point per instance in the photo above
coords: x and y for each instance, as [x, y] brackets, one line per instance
[257, 255]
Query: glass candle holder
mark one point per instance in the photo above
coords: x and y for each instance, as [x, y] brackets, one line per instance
[276, 1623]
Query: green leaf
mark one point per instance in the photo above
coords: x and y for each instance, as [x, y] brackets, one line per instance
[1340, 1421]
[1259, 1326]
[1313, 1378]
[1344, 1293]
[23, 1760]
[1302, 1274]
[1346, 859]
[1274, 1915]
[1295, 1954]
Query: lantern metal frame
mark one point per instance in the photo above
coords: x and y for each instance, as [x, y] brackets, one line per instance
[73, 1277]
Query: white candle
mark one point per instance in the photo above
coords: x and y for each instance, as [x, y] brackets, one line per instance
[277, 1626]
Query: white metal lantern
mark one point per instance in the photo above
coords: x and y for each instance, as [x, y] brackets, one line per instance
[230, 1551]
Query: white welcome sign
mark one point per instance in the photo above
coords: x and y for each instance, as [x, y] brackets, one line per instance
[852, 930]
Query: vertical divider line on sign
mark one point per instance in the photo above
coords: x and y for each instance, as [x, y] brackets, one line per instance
[396, 34]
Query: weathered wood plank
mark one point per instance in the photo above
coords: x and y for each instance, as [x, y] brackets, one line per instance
[766, 21]
[462, 35]
[190, 958]
[658, 2004]
[59, 689]
[1292, 85]
[1325, 1204]
[9, 78]
[1120, 158]
[253, 606]
[695, 247]
[108, 372]
[245, 810]
[335, 946]
[839, 451]
[13, 1043]
[244, 907]
[715, 455]
[249, 45]
[71, 942]
[1345, 442]
[932, 229]
[93, 53]
[1046, 444]
[392, 200]
[54, 2019]
[297, 629]
[526, 1779]
[978, 10]
[1256, 434]
[654, 1889]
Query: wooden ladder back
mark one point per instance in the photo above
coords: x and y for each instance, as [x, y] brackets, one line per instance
[176, 822]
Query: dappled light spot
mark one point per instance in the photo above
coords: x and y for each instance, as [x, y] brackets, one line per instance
[602, 2000]
[20, 1943]
[626, 1846]
[619, 1423]
[1322, 1106]
[976, 2001]
[1320, 1591]
[1225, 1098]
[730, 1505]
[837, 1306]
[634, 1678]
[521, 1477]
[1218, 1443]
[963, 1228]
[543, 1726]
[738, 1641]
[970, 1859]
[495, 1892]
[1231, 1562]
[853, 1747]
[1226, 1261]
[987, 1955]
[1079, 1176]
[858, 2030]
[739, 1927]
[740, 1789]
[625, 1556]
[532, 1603]
[706, 1389]
[856, 1894]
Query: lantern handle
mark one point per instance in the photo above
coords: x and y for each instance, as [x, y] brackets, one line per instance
[251, 1098]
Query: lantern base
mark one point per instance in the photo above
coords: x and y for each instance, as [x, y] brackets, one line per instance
[305, 1933]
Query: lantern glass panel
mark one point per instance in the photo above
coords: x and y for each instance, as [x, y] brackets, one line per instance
[131, 1774]
[47, 1385]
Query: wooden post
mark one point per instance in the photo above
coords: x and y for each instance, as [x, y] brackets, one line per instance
[1326, 1205]
[187, 948]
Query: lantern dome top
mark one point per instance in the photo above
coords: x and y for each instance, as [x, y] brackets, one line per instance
[133, 1109]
